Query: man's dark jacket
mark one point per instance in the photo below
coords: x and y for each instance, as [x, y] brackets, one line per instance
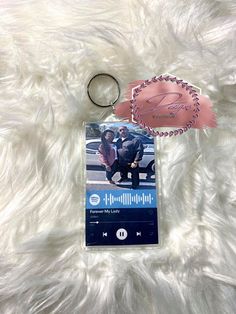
[129, 150]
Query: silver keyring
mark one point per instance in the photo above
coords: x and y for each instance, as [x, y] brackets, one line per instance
[114, 79]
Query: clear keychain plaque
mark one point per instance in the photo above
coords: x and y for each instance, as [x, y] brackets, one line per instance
[121, 190]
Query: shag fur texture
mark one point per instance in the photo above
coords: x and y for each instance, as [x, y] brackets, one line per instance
[48, 52]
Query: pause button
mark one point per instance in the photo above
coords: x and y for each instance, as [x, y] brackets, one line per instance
[121, 234]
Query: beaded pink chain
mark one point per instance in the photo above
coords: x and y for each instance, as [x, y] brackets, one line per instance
[188, 88]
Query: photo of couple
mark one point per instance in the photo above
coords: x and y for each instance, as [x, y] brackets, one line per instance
[125, 156]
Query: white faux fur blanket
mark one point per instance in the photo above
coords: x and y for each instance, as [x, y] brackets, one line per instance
[48, 51]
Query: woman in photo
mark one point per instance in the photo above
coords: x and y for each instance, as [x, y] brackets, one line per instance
[108, 154]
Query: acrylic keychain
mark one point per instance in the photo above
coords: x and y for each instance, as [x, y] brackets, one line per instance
[121, 190]
[122, 187]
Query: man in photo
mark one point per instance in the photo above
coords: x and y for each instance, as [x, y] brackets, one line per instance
[130, 152]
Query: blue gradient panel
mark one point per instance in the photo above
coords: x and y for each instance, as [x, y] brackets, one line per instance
[116, 217]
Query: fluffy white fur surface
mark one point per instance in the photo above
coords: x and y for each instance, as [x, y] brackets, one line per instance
[48, 52]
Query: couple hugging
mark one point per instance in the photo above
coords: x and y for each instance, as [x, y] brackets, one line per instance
[122, 156]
